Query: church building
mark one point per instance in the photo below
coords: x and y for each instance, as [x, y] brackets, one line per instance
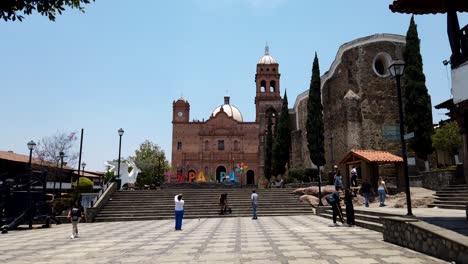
[225, 141]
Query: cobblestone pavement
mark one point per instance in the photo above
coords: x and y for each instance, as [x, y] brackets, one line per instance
[283, 239]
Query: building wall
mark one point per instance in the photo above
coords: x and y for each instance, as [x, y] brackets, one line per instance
[200, 152]
[359, 100]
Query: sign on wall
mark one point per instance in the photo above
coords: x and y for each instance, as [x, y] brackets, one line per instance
[391, 133]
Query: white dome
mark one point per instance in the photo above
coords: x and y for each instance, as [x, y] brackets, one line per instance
[267, 59]
[230, 110]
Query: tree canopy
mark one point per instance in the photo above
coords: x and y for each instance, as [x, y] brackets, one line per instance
[49, 148]
[151, 160]
[10, 10]
[314, 126]
[417, 102]
[282, 140]
[447, 137]
[267, 165]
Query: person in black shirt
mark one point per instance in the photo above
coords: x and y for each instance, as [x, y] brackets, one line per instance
[348, 200]
[366, 190]
[75, 214]
[334, 200]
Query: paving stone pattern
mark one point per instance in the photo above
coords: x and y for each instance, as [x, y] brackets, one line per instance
[282, 239]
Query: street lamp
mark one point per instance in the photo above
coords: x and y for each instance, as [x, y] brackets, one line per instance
[31, 147]
[83, 165]
[396, 69]
[121, 132]
[61, 155]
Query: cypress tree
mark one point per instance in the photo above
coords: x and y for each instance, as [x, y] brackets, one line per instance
[417, 102]
[314, 126]
[282, 142]
[268, 150]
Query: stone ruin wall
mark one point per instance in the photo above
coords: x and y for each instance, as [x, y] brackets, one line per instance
[357, 103]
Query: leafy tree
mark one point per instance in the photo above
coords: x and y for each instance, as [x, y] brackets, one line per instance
[14, 9]
[417, 102]
[267, 166]
[151, 160]
[282, 141]
[447, 137]
[314, 126]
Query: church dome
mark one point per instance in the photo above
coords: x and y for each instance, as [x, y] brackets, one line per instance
[267, 59]
[229, 109]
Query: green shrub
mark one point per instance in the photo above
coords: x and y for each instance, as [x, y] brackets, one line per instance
[302, 174]
[86, 185]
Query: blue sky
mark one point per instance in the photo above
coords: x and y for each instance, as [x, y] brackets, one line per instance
[122, 63]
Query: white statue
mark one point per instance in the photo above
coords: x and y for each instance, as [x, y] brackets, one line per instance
[125, 176]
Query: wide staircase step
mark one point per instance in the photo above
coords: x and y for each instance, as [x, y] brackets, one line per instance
[199, 203]
[363, 218]
[451, 197]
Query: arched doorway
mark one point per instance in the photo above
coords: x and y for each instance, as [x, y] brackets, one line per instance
[190, 172]
[250, 177]
[218, 172]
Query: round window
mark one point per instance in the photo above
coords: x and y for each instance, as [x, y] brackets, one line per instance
[381, 63]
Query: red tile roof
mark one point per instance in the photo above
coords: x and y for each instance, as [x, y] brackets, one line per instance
[425, 6]
[377, 156]
[11, 156]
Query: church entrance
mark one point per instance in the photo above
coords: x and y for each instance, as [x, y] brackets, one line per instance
[219, 170]
[250, 177]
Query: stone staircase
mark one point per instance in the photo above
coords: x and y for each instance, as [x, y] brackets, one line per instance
[199, 203]
[365, 219]
[451, 197]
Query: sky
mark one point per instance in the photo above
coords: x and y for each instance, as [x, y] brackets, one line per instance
[122, 63]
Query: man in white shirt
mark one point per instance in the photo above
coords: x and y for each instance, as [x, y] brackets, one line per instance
[254, 198]
[179, 211]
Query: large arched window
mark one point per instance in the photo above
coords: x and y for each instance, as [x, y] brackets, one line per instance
[272, 86]
[262, 86]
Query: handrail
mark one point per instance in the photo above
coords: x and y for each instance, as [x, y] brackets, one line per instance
[100, 193]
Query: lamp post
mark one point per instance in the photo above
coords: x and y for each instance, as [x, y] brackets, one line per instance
[61, 155]
[396, 69]
[31, 146]
[121, 132]
[83, 165]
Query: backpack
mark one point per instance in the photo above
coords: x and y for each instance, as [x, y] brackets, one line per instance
[330, 199]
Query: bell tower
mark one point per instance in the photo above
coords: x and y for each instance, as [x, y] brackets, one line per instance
[267, 99]
[180, 111]
[267, 96]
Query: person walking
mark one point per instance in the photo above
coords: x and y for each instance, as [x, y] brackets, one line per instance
[74, 215]
[382, 190]
[338, 180]
[223, 204]
[334, 200]
[366, 190]
[348, 200]
[354, 177]
[179, 211]
[254, 199]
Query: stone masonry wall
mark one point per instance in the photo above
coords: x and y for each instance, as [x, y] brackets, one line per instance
[437, 180]
[426, 238]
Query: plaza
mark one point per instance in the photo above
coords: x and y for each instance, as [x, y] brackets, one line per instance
[283, 239]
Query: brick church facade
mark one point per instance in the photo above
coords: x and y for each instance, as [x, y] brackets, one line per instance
[218, 144]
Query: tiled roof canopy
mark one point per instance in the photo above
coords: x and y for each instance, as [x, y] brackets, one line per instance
[376, 156]
[426, 6]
